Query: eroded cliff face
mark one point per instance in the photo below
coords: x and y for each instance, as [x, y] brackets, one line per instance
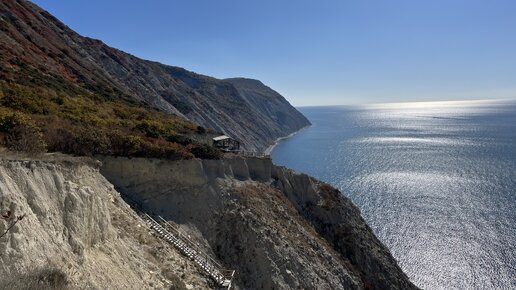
[75, 221]
[277, 228]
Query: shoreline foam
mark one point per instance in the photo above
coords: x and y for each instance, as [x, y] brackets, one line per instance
[269, 149]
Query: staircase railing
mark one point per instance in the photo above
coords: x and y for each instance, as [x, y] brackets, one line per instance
[180, 240]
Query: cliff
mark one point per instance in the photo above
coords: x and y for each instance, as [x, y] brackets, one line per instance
[277, 228]
[42, 55]
[78, 233]
[68, 93]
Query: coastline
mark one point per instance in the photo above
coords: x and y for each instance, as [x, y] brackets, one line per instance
[269, 149]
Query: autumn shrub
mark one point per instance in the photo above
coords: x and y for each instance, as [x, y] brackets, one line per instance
[62, 118]
[76, 108]
[24, 100]
[125, 145]
[60, 140]
[21, 134]
[58, 100]
[92, 141]
[159, 148]
[179, 139]
[152, 129]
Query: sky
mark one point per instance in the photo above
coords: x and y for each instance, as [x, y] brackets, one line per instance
[325, 52]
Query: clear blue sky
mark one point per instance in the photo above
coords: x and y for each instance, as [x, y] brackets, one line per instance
[320, 52]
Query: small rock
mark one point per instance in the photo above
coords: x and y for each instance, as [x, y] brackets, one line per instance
[189, 286]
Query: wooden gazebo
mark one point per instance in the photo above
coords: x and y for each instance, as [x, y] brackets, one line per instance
[226, 143]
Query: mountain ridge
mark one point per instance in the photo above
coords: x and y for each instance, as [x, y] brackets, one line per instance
[34, 37]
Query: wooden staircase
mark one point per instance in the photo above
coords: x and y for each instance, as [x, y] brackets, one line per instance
[173, 235]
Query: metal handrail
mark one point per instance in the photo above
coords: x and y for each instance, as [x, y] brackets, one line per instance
[214, 269]
[191, 243]
[226, 273]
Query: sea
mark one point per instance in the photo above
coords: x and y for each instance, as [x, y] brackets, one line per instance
[436, 181]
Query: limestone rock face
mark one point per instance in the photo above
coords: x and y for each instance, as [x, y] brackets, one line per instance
[75, 221]
[277, 228]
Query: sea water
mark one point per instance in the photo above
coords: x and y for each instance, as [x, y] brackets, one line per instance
[435, 181]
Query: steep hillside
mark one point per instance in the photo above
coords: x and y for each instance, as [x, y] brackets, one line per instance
[38, 52]
[277, 228]
[78, 233]
[270, 107]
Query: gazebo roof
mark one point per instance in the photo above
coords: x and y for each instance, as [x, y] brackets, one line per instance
[222, 137]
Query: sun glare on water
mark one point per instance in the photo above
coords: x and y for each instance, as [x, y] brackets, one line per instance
[432, 104]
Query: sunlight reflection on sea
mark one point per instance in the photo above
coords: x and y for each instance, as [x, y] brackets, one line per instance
[435, 181]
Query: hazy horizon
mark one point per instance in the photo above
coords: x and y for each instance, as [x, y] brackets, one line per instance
[326, 53]
[418, 103]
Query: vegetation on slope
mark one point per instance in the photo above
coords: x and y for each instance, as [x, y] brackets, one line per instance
[39, 117]
[37, 50]
[54, 98]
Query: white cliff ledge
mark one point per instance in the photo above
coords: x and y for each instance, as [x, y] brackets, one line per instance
[76, 223]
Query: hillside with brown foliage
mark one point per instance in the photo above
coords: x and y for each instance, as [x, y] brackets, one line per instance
[79, 88]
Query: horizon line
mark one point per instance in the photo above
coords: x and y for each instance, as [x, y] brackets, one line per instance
[412, 103]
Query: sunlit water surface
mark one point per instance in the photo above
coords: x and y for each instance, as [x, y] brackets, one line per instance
[436, 183]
